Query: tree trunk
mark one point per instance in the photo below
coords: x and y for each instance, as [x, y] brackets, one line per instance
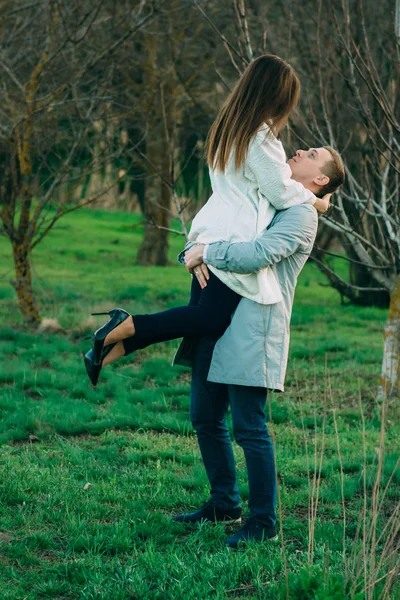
[23, 285]
[164, 111]
[154, 247]
[389, 384]
[361, 277]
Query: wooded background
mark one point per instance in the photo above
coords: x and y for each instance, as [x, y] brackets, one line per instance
[109, 103]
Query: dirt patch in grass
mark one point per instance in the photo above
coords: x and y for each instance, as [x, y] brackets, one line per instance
[46, 364]
[184, 378]
[5, 538]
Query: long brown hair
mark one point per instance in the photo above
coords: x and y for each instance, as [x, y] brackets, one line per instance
[267, 92]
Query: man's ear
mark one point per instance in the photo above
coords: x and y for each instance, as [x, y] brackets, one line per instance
[321, 179]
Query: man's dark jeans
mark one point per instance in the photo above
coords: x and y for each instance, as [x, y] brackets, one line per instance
[208, 408]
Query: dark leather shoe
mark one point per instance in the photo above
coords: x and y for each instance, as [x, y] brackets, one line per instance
[210, 512]
[93, 369]
[252, 530]
[117, 316]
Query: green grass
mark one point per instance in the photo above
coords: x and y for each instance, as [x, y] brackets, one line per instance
[131, 438]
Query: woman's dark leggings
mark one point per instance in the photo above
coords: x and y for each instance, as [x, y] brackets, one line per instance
[208, 313]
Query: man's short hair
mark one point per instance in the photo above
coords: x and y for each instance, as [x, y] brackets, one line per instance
[334, 169]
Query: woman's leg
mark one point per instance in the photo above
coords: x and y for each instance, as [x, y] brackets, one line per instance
[124, 330]
[119, 349]
[114, 354]
[209, 316]
[251, 433]
[127, 328]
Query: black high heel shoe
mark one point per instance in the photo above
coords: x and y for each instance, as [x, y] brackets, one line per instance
[93, 369]
[118, 316]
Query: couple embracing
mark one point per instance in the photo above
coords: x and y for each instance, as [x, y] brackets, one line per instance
[246, 248]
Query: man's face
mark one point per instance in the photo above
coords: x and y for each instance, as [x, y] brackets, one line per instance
[306, 167]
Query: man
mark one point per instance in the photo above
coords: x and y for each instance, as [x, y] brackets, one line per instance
[251, 356]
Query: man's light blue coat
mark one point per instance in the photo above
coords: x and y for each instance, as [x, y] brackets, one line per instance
[254, 349]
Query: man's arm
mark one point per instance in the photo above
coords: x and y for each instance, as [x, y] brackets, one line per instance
[294, 230]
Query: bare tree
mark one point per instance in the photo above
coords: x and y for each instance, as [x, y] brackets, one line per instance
[161, 89]
[366, 213]
[58, 63]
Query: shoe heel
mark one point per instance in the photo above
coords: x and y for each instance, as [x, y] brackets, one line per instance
[117, 316]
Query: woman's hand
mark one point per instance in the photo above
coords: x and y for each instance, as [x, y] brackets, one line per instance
[323, 204]
[202, 274]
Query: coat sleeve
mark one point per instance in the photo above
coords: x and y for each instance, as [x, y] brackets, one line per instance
[181, 255]
[291, 231]
[266, 160]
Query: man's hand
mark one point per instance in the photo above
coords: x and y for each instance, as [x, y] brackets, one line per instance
[194, 257]
[322, 204]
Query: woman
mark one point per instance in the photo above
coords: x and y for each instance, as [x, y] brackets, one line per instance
[250, 179]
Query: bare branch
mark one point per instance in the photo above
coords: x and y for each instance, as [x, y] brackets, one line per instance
[240, 7]
[345, 285]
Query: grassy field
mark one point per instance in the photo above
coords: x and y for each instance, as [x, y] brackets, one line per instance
[131, 439]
